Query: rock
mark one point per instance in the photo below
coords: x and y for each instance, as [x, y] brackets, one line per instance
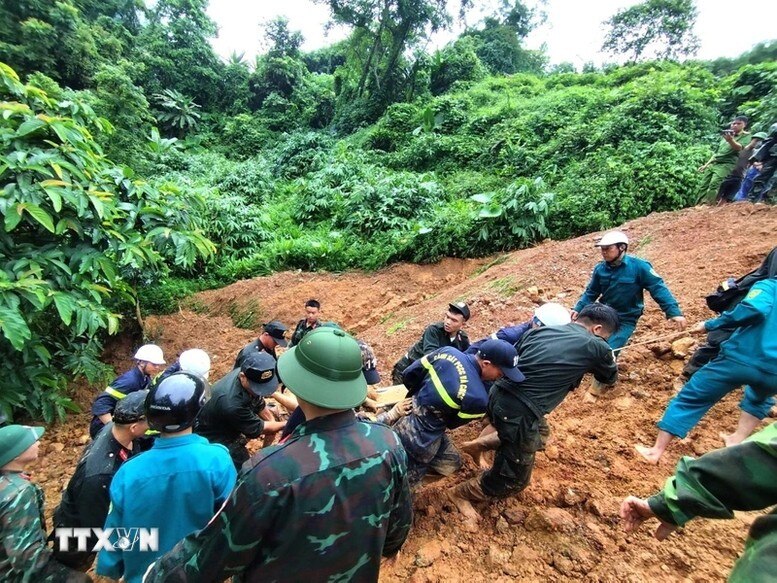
[57, 447]
[514, 515]
[83, 439]
[572, 497]
[550, 519]
[551, 452]
[623, 403]
[682, 347]
[639, 394]
[501, 525]
[431, 511]
[661, 349]
[676, 366]
[497, 557]
[534, 294]
[428, 553]
[563, 565]
[523, 554]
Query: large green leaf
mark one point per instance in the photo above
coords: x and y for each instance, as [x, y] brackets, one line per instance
[66, 305]
[40, 215]
[14, 327]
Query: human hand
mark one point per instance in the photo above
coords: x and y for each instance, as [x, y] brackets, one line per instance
[702, 168]
[403, 407]
[266, 414]
[634, 511]
[698, 328]
[679, 322]
[573, 315]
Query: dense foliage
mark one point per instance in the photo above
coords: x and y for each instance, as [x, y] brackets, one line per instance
[137, 166]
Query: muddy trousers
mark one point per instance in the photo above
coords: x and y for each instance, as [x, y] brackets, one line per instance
[520, 436]
[708, 386]
[707, 351]
[428, 447]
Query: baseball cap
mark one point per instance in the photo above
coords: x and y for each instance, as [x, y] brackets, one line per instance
[369, 363]
[504, 355]
[325, 369]
[15, 439]
[276, 330]
[259, 368]
[460, 308]
[131, 408]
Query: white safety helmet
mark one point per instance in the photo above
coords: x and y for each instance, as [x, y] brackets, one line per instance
[612, 238]
[150, 353]
[552, 314]
[195, 360]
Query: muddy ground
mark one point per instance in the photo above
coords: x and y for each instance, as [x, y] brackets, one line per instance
[564, 526]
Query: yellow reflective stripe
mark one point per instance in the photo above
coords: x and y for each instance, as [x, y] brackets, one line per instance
[151, 432]
[470, 415]
[438, 384]
[114, 393]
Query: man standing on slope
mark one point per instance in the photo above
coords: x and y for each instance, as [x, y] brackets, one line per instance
[724, 160]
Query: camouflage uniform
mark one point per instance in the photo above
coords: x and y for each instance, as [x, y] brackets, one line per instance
[718, 483]
[322, 506]
[24, 556]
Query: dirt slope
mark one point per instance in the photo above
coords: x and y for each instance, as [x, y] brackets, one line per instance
[564, 526]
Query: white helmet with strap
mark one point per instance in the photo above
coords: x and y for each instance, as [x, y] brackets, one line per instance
[612, 238]
[195, 360]
[150, 353]
[552, 314]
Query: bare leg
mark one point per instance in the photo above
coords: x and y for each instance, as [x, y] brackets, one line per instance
[462, 495]
[653, 454]
[746, 426]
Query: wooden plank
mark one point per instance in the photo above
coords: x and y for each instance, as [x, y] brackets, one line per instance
[391, 395]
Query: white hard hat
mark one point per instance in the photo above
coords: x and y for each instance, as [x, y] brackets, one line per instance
[552, 314]
[150, 353]
[612, 238]
[195, 360]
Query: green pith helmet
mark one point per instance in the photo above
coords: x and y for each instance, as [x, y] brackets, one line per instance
[15, 439]
[325, 369]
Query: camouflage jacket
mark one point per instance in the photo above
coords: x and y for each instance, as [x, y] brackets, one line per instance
[24, 555]
[322, 506]
[741, 477]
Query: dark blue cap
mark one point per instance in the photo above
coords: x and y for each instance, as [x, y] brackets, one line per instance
[504, 355]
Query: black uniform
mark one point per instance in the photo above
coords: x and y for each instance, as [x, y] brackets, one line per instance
[554, 360]
[255, 346]
[767, 155]
[86, 499]
[300, 331]
[231, 417]
[434, 337]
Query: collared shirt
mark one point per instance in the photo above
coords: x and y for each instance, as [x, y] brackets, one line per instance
[554, 360]
[24, 556]
[302, 329]
[230, 413]
[322, 506]
[448, 380]
[176, 487]
[435, 337]
[621, 287]
[248, 349]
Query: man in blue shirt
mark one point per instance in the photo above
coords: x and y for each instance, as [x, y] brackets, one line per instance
[176, 487]
[749, 358]
[448, 391]
[149, 361]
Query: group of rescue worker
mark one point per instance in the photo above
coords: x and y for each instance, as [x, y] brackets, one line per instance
[334, 495]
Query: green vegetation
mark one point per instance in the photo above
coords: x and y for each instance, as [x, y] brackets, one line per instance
[138, 168]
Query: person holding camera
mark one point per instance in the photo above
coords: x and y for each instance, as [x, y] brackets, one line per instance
[724, 160]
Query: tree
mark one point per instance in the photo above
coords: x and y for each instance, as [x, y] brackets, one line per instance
[178, 112]
[78, 235]
[281, 41]
[661, 29]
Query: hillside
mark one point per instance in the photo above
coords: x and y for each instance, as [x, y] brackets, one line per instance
[564, 526]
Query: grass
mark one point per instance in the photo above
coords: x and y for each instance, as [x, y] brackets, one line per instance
[496, 261]
[397, 326]
[505, 286]
[248, 317]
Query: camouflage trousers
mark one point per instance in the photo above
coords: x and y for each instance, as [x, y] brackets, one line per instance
[426, 442]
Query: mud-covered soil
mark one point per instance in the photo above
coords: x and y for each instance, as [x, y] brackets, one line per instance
[564, 526]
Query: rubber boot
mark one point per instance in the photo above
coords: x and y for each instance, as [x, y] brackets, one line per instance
[597, 389]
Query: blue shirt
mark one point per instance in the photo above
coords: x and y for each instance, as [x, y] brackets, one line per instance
[449, 381]
[177, 486]
[129, 382]
[621, 287]
[754, 342]
[511, 334]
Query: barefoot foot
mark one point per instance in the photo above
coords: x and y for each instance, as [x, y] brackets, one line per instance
[731, 438]
[648, 453]
[464, 506]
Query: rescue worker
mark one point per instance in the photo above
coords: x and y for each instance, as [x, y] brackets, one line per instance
[237, 410]
[724, 160]
[748, 358]
[149, 360]
[323, 505]
[764, 187]
[271, 336]
[448, 392]
[193, 360]
[740, 477]
[86, 498]
[24, 555]
[548, 314]
[309, 323]
[176, 487]
[446, 333]
[554, 360]
[619, 281]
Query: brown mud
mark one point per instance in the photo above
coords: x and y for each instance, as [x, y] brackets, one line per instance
[564, 526]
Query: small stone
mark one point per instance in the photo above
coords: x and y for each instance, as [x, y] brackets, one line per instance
[551, 452]
[550, 519]
[623, 403]
[428, 554]
[431, 511]
[83, 439]
[676, 366]
[639, 394]
[563, 565]
[57, 447]
[497, 557]
[501, 525]
[660, 350]
[682, 347]
[514, 515]
[572, 497]
[523, 554]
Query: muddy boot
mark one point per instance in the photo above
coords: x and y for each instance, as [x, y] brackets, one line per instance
[544, 431]
[464, 494]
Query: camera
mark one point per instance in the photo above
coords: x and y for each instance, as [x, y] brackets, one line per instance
[728, 132]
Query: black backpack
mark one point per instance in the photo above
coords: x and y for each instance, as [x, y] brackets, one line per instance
[731, 292]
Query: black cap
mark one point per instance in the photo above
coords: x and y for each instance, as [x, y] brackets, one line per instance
[259, 368]
[276, 330]
[369, 363]
[460, 308]
[504, 355]
[131, 408]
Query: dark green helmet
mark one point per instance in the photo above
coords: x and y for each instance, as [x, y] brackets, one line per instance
[325, 369]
